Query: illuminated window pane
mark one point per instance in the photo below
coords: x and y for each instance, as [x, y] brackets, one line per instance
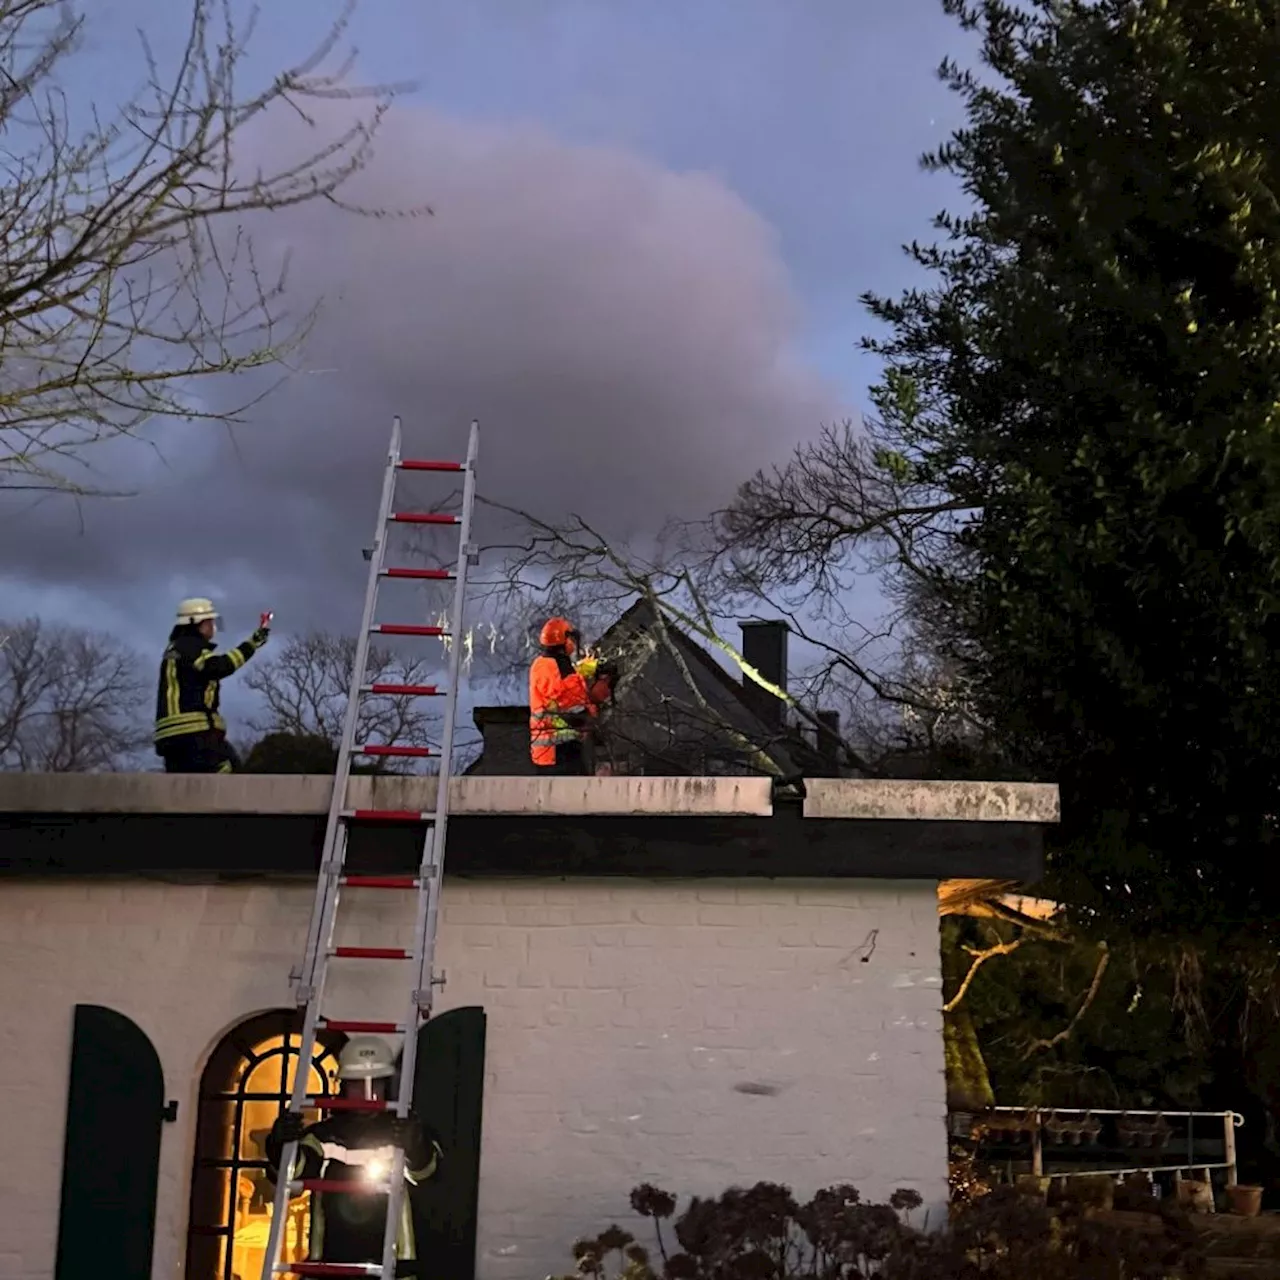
[244, 1088]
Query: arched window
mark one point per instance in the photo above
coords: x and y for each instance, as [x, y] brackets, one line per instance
[244, 1087]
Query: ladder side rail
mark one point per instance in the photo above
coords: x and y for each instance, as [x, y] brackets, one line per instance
[333, 856]
[456, 620]
[431, 872]
[279, 1211]
[284, 1175]
[351, 717]
[431, 868]
[396, 1194]
[306, 1054]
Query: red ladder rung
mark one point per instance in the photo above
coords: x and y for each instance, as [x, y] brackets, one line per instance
[370, 953]
[423, 517]
[405, 629]
[405, 690]
[328, 1269]
[348, 1104]
[388, 815]
[390, 749]
[380, 882]
[355, 1027]
[415, 464]
[335, 1184]
[431, 575]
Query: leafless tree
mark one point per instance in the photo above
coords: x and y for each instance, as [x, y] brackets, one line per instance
[304, 688]
[70, 700]
[851, 503]
[128, 278]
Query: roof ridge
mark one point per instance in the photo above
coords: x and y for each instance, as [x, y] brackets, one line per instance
[628, 622]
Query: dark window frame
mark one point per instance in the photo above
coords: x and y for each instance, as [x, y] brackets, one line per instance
[231, 1063]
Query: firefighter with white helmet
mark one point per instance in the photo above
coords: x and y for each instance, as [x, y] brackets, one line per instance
[357, 1147]
[190, 734]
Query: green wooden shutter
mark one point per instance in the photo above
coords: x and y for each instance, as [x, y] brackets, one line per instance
[448, 1092]
[111, 1157]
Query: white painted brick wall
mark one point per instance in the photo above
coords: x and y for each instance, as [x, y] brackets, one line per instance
[622, 1017]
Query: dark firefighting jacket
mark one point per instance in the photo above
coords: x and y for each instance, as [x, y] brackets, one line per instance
[188, 697]
[347, 1226]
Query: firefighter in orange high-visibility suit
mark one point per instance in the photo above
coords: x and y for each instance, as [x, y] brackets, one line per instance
[563, 699]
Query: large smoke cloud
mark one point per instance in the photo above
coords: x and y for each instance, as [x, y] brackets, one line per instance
[624, 333]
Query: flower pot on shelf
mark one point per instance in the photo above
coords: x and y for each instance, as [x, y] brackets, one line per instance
[1244, 1201]
[1055, 1128]
[1091, 1128]
[1194, 1194]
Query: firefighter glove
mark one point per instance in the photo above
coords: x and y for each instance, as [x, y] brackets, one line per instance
[288, 1127]
[260, 637]
[407, 1134]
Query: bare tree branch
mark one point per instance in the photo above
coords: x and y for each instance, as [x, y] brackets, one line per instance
[1104, 959]
[980, 957]
[851, 492]
[127, 275]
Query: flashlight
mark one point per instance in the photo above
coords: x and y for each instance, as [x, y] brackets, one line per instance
[376, 1170]
[265, 620]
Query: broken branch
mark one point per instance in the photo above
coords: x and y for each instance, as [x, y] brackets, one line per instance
[1103, 961]
[980, 957]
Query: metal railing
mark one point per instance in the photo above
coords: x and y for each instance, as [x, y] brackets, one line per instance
[1230, 1121]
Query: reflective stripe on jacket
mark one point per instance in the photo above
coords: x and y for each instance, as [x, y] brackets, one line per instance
[558, 706]
[187, 699]
[347, 1227]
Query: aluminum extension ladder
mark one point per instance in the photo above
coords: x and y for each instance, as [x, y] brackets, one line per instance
[309, 980]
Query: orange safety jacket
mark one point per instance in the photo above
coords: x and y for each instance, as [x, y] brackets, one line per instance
[559, 705]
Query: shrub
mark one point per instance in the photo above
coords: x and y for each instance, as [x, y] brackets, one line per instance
[763, 1233]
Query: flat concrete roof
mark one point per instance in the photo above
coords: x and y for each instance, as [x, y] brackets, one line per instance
[476, 796]
[932, 801]
[278, 794]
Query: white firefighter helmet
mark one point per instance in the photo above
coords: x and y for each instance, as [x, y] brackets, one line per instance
[366, 1058]
[196, 609]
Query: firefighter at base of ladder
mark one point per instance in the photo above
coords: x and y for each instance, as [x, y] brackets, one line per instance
[357, 1147]
[190, 735]
[563, 699]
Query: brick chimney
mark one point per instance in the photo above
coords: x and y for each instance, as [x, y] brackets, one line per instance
[764, 646]
[504, 737]
[828, 742]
